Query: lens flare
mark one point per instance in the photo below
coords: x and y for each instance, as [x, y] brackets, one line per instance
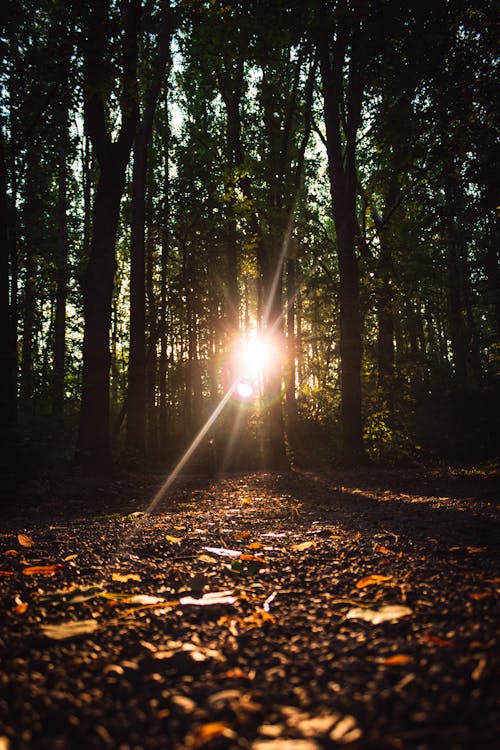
[244, 390]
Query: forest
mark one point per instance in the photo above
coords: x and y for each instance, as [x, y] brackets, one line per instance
[268, 230]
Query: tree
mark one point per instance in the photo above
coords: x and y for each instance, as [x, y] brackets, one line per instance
[93, 448]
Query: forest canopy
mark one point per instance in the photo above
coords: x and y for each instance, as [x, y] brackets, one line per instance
[285, 213]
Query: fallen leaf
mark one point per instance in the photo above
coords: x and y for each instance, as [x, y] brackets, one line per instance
[255, 545]
[383, 550]
[477, 596]
[6, 573]
[492, 580]
[302, 546]
[205, 733]
[376, 616]
[207, 559]
[282, 744]
[25, 540]
[479, 669]
[372, 580]
[20, 608]
[69, 558]
[214, 598]
[251, 558]
[396, 660]
[223, 551]
[11, 552]
[69, 629]
[43, 570]
[173, 539]
[437, 641]
[124, 577]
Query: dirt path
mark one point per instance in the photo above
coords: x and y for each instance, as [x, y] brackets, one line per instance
[292, 612]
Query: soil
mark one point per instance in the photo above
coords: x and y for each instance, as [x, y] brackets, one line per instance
[295, 611]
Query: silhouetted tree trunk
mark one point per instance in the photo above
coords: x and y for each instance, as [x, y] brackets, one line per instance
[93, 447]
[7, 375]
[136, 395]
[335, 52]
[165, 243]
[62, 285]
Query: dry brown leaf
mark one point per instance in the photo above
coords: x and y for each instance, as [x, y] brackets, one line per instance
[302, 546]
[25, 540]
[479, 595]
[43, 570]
[437, 641]
[124, 577]
[174, 539]
[372, 580]
[397, 660]
[69, 557]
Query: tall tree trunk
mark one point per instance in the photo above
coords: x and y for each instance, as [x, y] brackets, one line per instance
[59, 353]
[32, 221]
[334, 51]
[165, 243]
[7, 379]
[93, 448]
[136, 413]
[291, 293]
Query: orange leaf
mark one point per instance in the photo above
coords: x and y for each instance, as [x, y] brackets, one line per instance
[383, 550]
[437, 641]
[371, 580]
[20, 608]
[6, 573]
[205, 733]
[255, 545]
[397, 659]
[11, 552]
[251, 558]
[43, 570]
[479, 595]
[25, 540]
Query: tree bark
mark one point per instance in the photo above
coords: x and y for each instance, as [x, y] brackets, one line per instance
[342, 174]
[7, 377]
[136, 395]
[93, 447]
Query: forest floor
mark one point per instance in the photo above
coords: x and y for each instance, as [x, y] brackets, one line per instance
[258, 611]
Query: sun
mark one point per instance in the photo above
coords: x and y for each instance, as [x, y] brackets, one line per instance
[252, 358]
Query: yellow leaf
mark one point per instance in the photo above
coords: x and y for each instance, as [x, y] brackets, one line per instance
[69, 557]
[302, 546]
[246, 501]
[124, 577]
[372, 580]
[25, 540]
[173, 539]
[255, 545]
[397, 659]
